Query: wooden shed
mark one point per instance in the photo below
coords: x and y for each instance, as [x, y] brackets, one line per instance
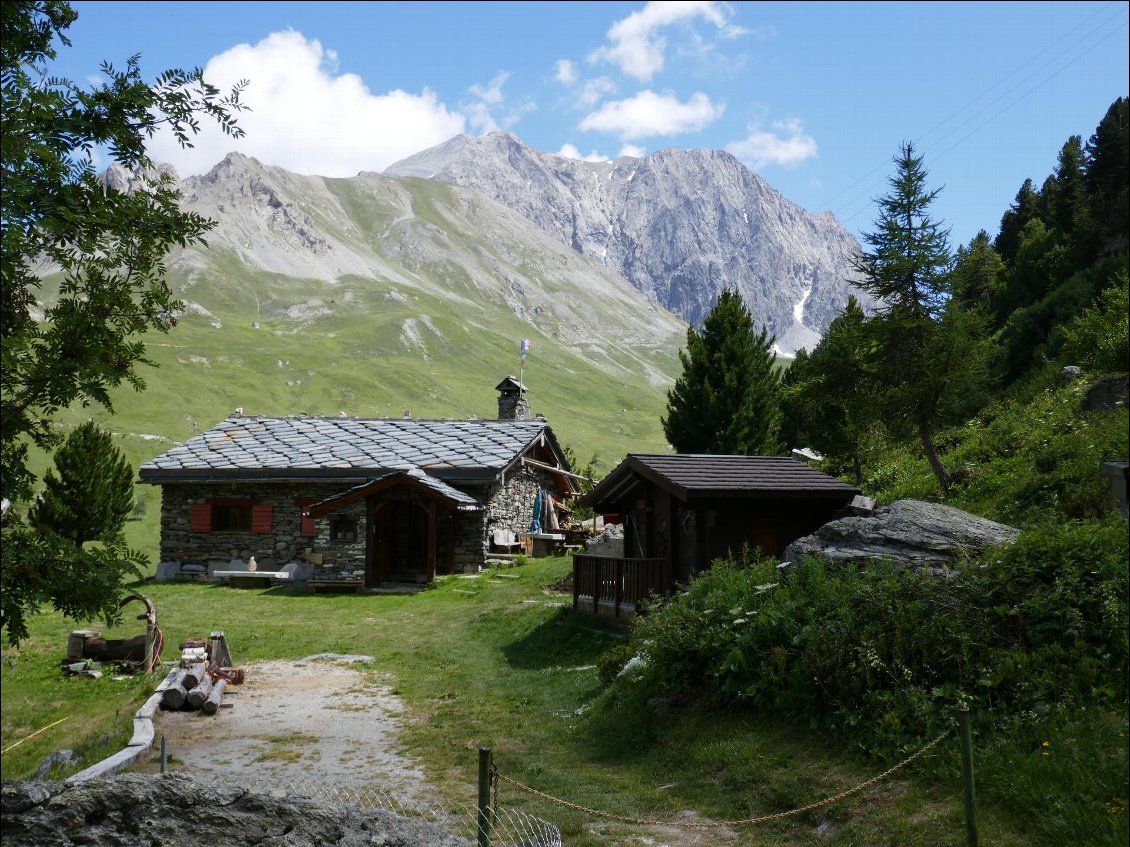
[683, 511]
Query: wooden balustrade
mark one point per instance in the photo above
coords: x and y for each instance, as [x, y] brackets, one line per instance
[621, 582]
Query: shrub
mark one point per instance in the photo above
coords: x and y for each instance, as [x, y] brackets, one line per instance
[884, 654]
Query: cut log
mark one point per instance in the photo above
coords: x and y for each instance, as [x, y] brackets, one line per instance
[193, 675]
[212, 704]
[200, 692]
[175, 694]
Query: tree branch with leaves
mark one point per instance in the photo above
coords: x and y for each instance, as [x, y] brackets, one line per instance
[107, 247]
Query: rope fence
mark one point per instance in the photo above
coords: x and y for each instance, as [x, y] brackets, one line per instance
[863, 786]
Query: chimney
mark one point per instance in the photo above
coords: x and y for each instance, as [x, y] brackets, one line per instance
[512, 405]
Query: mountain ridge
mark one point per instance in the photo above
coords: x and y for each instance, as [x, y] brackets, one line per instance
[680, 225]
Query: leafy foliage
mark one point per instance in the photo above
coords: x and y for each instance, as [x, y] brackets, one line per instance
[109, 246]
[41, 567]
[1098, 339]
[1021, 460]
[92, 495]
[727, 400]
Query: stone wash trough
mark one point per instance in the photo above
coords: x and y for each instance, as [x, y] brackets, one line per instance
[909, 533]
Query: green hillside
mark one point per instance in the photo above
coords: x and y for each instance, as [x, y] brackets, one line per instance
[464, 282]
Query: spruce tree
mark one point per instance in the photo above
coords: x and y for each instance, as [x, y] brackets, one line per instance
[727, 400]
[829, 394]
[92, 495]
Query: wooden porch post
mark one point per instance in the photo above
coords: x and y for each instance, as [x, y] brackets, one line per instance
[432, 530]
[449, 540]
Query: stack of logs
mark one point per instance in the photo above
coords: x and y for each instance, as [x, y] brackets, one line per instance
[204, 675]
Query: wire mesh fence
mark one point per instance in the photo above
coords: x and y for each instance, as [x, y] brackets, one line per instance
[501, 827]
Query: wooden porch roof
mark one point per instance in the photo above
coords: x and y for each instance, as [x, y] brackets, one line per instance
[430, 487]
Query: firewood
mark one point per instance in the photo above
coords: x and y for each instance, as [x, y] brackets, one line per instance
[200, 692]
[212, 704]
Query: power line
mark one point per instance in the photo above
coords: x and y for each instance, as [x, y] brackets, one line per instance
[846, 216]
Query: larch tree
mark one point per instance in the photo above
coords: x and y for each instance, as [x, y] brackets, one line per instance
[928, 352]
[728, 398]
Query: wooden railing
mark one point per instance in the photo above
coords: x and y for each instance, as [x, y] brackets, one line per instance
[618, 581]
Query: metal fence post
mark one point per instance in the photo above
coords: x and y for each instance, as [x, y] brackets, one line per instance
[484, 797]
[164, 755]
[967, 775]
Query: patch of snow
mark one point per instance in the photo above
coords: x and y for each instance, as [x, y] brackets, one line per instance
[798, 309]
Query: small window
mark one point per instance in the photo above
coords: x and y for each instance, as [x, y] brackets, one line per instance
[343, 529]
[232, 518]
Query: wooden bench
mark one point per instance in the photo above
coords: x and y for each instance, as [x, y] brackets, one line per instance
[354, 585]
[251, 579]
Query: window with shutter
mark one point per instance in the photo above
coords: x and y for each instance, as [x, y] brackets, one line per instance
[200, 517]
[261, 520]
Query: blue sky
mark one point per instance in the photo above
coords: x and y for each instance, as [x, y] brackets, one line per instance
[816, 97]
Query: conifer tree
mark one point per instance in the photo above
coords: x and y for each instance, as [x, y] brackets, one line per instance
[927, 351]
[727, 400]
[92, 495]
[829, 394]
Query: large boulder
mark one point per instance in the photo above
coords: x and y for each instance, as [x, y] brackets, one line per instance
[909, 533]
[171, 810]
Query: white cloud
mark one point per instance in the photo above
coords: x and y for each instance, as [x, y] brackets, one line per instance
[637, 48]
[492, 92]
[569, 151]
[594, 90]
[565, 72]
[787, 144]
[633, 150]
[491, 101]
[307, 117]
[649, 114]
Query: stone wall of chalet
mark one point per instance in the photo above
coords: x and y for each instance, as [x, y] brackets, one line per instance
[286, 541]
[332, 559]
[511, 504]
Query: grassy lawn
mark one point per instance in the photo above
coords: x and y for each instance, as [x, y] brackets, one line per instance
[500, 661]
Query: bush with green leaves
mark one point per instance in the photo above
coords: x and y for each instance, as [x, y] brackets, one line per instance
[884, 654]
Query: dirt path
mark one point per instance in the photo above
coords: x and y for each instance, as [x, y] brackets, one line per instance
[317, 721]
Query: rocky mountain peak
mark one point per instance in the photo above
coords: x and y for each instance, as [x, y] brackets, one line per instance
[680, 225]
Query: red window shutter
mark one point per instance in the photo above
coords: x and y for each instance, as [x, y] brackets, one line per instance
[200, 517]
[307, 527]
[261, 520]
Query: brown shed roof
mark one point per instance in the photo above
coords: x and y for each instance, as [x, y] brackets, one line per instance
[699, 476]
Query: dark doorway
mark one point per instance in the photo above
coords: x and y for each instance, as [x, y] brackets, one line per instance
[398, 543]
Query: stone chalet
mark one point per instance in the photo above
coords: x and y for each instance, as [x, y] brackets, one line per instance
[375, 501]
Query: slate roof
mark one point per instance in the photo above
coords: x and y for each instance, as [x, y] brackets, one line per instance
[697, 476]
[316, 447]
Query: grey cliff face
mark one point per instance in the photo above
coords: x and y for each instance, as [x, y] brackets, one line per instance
[681, 226]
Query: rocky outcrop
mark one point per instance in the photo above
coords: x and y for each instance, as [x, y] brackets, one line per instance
[909, 533]
[173, 809]
[680, 225]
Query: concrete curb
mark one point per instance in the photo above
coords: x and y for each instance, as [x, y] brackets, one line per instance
[139, 744]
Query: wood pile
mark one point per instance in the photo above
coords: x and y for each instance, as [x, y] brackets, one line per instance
[204, 675]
